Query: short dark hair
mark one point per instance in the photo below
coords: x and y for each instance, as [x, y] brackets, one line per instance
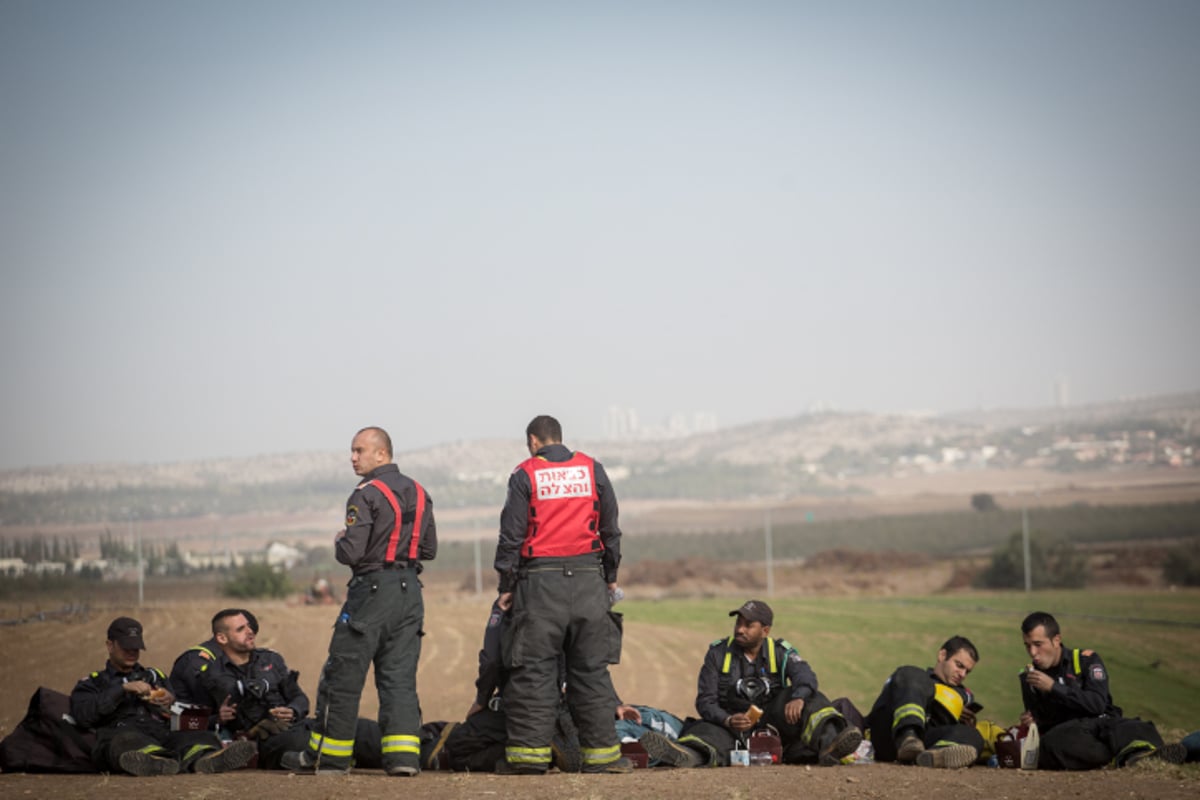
[1040, 618]
[956, 643]
[226, 613]
[381, 435]
[545, 428]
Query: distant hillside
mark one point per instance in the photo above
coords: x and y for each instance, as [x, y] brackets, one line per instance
[810, 454]
[804, 438]
[1176, 409]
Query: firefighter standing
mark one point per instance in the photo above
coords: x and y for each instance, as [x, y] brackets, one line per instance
[924, 716]
[557, 558]
[389, 531]
[478, 743]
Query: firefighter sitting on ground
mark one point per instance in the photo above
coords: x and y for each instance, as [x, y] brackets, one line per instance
[747, 672]
[927, 716]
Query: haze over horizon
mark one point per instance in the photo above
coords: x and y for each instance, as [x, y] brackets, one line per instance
[231, 229]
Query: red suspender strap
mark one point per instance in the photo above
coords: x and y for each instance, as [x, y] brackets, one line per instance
[415, 539]
[394, 539]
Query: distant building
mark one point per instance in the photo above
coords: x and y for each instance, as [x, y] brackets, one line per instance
[216, 560]
[80, 564]
[621, 423]
[283, 555]
[704, 422]
[624, 423]
[1062, 392]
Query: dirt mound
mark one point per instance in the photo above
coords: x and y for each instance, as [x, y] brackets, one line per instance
[864, 561]
[689, 570]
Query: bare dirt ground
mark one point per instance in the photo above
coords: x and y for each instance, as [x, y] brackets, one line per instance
[877, 782]
[56, 653]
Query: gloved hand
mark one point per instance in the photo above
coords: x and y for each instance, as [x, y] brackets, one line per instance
[266, 728]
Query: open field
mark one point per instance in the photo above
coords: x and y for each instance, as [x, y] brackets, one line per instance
[1150, 641]
[853, 643]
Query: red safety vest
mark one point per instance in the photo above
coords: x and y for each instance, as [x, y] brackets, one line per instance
[414, 541]
[564, 508]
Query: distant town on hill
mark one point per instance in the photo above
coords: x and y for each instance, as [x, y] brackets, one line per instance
[814, 454]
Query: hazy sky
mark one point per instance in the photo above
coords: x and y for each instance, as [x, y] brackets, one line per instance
[229, 228]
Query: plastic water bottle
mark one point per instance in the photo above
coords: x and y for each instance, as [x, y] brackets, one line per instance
[865, 754]
[1029, 748]
[760, 758]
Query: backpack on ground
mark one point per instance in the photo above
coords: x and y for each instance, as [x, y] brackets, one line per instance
[47, 740]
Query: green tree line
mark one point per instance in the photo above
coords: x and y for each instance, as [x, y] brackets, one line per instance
[37, 548]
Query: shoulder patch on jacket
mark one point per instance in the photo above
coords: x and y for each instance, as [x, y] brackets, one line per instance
[351, 515]
[199, 650]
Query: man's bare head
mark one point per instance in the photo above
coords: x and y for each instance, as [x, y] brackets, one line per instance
[370, 449]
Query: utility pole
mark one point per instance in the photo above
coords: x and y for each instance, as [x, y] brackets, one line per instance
[770, 562]
[1025, 549]
[478, 560]
[141, 567]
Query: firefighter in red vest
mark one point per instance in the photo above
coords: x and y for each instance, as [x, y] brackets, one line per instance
[389, 532]
[557, 558]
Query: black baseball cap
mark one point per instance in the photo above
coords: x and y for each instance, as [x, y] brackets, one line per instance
[755, 611]
[126, 632]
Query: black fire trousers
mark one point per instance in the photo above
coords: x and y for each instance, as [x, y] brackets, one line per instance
[1095, 742]
[904, 703]
[560, 605]
[186, 747]
[381, 622]
[802, 742]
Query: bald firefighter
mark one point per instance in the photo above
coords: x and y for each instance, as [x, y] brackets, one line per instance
[389, 532]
